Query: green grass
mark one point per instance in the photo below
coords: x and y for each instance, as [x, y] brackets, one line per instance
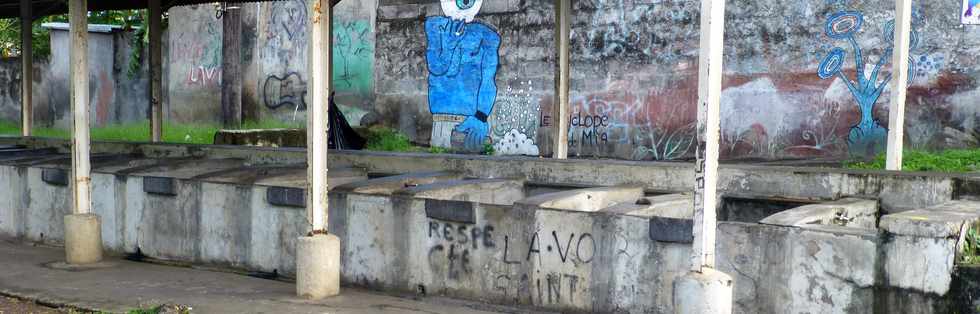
[971, 249]
[388, 140]
[959, 160]
[140, 132]
[378, 138]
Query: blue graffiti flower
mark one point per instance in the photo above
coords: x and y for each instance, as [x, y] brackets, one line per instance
[832, 63]
[890, 35]
[844, 24]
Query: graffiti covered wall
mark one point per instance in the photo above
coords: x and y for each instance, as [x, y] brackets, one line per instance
[802, 80]
[283, 43]
[274, 46]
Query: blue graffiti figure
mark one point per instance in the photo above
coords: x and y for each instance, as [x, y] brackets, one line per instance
[462, 57]
[868, 137]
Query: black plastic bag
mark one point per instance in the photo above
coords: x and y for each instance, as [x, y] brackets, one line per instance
[342, 135]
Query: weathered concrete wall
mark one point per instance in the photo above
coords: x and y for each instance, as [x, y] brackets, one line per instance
[634, 67]
[117, 95]
[274, 53]
[194, 74]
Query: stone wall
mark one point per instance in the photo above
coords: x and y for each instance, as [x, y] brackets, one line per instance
[634, 71]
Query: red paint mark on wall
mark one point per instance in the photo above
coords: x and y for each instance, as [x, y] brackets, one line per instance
[104, 100]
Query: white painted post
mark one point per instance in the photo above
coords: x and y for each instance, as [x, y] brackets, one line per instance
[709, 126]
[705, 290]
[318, 121]
[318, 255]
[900, 71]
[27, 68]
[563, 10]
[78, 18]
[156, 70]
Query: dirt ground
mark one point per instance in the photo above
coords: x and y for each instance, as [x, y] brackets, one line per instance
[15, 306]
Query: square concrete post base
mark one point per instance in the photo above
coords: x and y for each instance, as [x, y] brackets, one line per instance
[708, 292]
[318, 266]
[83, 239]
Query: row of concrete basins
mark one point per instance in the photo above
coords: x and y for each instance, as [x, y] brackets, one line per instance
[499, 240]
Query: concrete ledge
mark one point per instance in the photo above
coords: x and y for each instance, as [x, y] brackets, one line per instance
[943, 221]
[265, 138]
[846, 212]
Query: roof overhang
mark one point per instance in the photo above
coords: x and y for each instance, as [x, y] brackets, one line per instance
[11, 8]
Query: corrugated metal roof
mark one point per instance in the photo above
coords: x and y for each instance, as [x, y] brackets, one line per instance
[11, 8]
[92, 28]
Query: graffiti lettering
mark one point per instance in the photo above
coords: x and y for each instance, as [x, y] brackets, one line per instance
[551, 288]
[204, 76]
[584, 248]
[453, 244]
[462, 234]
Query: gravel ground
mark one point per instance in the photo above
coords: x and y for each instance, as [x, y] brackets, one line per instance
[15, 306]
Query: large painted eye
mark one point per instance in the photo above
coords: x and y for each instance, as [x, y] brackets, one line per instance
[465, 4]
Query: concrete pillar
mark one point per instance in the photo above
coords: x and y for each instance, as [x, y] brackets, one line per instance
[563, 10]
[318, 255]
[83, 238]
[156, 70]
[900, 73]
[79, 100]
[708, 132]
[27, 68]
[321, 84]
[707, 292]
[231, 66]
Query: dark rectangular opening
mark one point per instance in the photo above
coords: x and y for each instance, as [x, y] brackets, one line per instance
[755, 209]
[159, 186]
[288, 197]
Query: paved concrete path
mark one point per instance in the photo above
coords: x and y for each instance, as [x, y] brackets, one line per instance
[128, 285]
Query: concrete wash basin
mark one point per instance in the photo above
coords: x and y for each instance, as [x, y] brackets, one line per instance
[848, 212]
[291, 176]
[484, 191]
[184, 169]
[676, 206]
[587, 200]
[388, 185]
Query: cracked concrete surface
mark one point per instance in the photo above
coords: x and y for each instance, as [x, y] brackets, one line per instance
[130, 285]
